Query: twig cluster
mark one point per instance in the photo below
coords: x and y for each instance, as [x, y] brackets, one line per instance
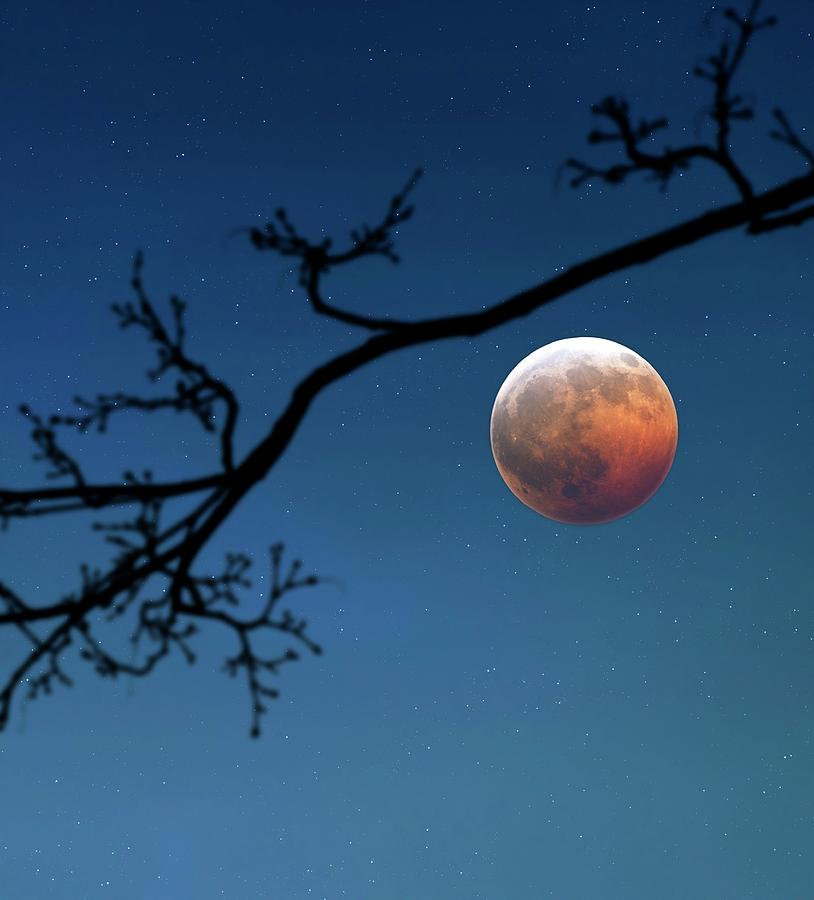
[317, 259]
[150, 580]
[726, 108]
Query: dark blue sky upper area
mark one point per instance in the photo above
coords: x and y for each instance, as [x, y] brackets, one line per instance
[507, 708]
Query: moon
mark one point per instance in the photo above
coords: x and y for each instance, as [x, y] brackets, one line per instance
[584, 430]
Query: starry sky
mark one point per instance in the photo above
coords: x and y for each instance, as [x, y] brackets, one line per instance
[507, 708]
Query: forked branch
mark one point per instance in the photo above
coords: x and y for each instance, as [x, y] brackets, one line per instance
[726, 108]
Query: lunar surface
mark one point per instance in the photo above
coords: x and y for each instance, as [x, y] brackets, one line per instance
[584, 430]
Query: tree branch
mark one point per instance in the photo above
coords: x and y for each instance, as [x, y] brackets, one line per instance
[128, 577]
[316, 260]
[719, 69]
[43, 501]
[146, 550]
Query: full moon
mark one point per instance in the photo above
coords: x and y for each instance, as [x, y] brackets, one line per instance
[584, 430]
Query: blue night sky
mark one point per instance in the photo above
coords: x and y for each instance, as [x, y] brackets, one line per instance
[507, 708]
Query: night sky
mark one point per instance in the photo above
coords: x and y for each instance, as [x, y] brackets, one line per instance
[507, 708]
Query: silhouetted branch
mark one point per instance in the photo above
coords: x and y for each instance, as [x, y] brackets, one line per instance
[151, 581]
[163, 623]
[63, 465]
[719, 70]
[792, 219]
[196, 390]
[316, 260]
[44, 501]
[788, 136]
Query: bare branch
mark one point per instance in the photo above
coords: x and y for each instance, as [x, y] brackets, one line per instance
[163, 623]
[151, 581]
[788, 136]
[789, 220]
[719, 69]
[44, 501]
[317, 260]
[62, 463]
[196, 390]
[127, 577]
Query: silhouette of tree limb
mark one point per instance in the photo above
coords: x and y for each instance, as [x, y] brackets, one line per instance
[788, 136]
[719, 70]
[43, 501]
[316, 260]
[151, 582]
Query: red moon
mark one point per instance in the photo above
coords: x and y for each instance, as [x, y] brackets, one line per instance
[584, 430]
